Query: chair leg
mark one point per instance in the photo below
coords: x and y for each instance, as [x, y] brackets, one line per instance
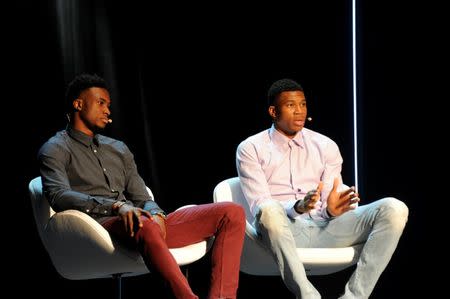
[186, 273]
[118, 279]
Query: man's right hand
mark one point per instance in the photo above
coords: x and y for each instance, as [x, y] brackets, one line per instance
[130, 217]
[307, 204]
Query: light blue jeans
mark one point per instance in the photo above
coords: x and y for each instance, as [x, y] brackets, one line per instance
[378, 225]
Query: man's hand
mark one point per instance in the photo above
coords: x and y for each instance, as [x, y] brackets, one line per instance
[130, 217]
[341, 202]
[308, 203]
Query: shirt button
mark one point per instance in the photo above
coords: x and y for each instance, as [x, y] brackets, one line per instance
[299, 190]
[87, 211]
[105, 211]
[95, 151]
[112, 190]
[104, 169]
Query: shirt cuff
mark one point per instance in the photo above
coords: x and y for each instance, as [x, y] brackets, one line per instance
[290, 210]
[152, 207]
[103, 209]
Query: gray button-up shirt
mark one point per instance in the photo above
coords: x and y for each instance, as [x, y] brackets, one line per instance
[90, 174]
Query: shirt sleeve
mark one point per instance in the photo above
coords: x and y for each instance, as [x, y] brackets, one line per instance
[291, 212]
[53, 160]
[251, 175]
[135, 188]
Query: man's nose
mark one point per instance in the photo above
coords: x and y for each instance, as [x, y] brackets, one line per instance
[299, 109]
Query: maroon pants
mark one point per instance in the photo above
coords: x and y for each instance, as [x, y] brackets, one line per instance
[225, 221]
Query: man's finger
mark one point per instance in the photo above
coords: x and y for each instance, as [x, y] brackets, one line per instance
[147, 213]
[136, 214]
[125, 223]
[354, 200]
[349, 200]
[348, 191]
[130, 223]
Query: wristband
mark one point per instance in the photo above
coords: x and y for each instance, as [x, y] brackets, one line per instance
[158, 213]
[297, 204]
[329, 214]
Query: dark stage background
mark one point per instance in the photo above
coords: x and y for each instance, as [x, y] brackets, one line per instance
[188, 83]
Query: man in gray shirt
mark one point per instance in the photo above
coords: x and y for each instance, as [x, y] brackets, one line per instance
[97, 175]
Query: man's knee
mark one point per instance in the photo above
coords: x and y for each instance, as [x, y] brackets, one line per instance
[272, 216]
[395, 211]
[150, 229]
[235, 212]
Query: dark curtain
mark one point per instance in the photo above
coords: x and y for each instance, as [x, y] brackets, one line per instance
[94, 37]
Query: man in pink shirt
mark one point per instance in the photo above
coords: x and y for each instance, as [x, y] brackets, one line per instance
[291, 178]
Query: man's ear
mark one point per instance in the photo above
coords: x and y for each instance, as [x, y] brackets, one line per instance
[272, 112]
[77, 104]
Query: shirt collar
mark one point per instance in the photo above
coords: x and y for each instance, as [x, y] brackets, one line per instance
[81, 137]
[282, 140]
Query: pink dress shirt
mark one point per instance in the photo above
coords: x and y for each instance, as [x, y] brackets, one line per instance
[273, 166]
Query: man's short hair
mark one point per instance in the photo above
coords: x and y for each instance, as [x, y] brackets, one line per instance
[78, 84]
[279, 86]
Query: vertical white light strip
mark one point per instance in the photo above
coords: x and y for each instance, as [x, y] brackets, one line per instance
[355, 119]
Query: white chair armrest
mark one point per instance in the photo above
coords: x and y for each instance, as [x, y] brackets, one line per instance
[72, 233]
[186, 206]
[74, 227]
[196, 250]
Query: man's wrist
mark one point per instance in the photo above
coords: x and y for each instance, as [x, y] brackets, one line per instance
[160, 214]
[328, 213]
[116, 207]
[299, 206]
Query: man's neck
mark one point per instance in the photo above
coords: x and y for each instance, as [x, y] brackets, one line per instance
[80, 126]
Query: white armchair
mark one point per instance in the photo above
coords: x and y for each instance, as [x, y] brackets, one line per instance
[80, 248]
[257, 260]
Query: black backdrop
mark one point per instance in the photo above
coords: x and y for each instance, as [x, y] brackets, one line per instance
[188, 84]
